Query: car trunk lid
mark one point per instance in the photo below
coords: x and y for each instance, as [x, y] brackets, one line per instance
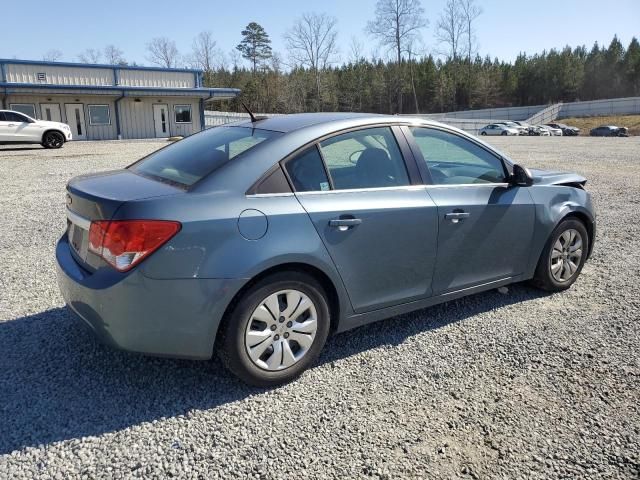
[98, 197]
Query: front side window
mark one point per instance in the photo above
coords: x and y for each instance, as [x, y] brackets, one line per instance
[453, 160]
[99, 115]
[15, 117]
[368, 158]
[307, 172]
[189, 160]
[26, 108]
[183, 113]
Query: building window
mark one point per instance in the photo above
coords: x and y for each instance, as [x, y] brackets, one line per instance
[99, 115]
[26, 108]
[183, 113]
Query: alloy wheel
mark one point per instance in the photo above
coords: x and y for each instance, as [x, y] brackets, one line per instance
[566, 255]
[281, 330]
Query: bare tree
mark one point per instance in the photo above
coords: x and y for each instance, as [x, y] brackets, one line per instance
[312, 43]
[90, 55]
[52, 55]
[114, 56]
[470, 13]
[397, 23]
[450, 31]
[356, 48]
[163, 52]
[204, 52]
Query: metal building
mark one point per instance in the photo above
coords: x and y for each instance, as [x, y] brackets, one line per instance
[106, 102]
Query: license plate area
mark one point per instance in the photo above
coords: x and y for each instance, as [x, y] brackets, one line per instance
[78, 234]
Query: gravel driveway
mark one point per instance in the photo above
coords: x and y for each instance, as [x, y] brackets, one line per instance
[515, 385]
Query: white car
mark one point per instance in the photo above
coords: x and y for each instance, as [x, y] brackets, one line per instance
[521, 130]
[554, 132]
[498, 129]
[16, 127]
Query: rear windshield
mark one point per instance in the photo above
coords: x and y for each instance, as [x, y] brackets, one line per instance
[189, 160]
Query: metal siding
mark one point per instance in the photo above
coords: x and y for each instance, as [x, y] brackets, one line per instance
[136, 118]
[20, 73]
[146, 78]
[94, 132]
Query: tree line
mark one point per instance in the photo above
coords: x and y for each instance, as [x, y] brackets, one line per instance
[402, 77]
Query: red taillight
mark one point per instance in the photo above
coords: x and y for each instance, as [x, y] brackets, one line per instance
[124, 243]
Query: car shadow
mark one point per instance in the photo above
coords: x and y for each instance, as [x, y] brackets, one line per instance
[58, 383]
[18, 149]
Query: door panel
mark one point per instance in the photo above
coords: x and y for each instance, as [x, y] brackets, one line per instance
[383, 242]
[485, 234]
[161, 120]
[50, 112]
[75, 120]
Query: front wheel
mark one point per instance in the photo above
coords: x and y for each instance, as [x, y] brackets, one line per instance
[52, 140]
[563, 257]
[276, 329]
[504, 134]
[483, 133]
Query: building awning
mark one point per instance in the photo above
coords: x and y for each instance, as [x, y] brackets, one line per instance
[118, 91]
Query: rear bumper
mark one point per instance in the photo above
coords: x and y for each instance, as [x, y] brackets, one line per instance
[174, 318]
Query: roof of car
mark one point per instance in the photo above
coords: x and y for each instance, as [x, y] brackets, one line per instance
[296, 121]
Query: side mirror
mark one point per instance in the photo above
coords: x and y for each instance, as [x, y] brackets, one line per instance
[521, 176]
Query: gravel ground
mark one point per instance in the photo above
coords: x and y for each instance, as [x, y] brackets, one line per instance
[515, 385]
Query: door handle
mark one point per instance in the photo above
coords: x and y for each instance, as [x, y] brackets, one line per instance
[11, 125]
[455, 217]
[344, 224]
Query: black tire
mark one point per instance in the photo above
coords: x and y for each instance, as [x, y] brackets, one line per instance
[543, 277]
[504, 134]
[483, 133]
[52, 140]
[230, 344]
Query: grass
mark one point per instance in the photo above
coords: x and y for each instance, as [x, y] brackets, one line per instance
[585, 124]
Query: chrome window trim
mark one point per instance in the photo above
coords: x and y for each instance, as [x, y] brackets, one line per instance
[404, 187]
[409, 188]
[262, 195]
[78, 220]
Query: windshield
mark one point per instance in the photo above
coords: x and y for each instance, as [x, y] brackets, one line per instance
[189, 160]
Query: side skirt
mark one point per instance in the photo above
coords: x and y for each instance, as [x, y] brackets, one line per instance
[360, 319]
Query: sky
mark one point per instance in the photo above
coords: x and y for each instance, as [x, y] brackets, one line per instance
[504, 29]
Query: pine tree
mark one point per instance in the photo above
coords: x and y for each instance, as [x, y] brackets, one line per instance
[255, 45]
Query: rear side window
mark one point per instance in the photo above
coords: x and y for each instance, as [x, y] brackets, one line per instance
[189, 160]
[368, 158]
[14, 117]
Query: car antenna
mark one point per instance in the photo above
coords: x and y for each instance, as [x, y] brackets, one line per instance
[253, 117]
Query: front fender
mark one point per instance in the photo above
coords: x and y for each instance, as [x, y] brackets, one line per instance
[553, 203]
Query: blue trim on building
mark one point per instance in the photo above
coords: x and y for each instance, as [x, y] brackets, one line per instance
[213, 92]
[95, 65]
[201, 104]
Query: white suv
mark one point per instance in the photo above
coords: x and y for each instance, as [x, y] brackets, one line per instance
[16, 127]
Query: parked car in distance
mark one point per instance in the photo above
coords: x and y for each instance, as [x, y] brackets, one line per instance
[528, 127]
[256, 240]
[554, 132]
[567, 131]
[521, 130]
[498, 129]
[16, 127]
[609, 131]
[540, 131]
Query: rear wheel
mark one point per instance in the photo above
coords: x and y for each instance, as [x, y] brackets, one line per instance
[52, 140]
[563, 257]
[504, 133]
[276, 329]
[483, 133]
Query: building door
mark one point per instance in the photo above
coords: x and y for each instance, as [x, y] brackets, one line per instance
[75, 120]
[50, 112]
[161, 120]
